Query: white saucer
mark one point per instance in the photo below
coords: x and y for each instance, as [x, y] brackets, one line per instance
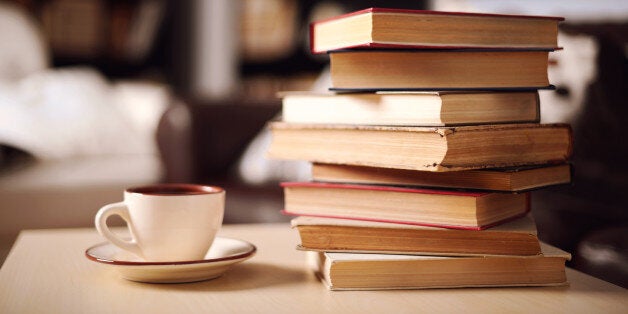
[223, 253]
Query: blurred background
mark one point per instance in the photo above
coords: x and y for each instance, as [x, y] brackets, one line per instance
[100, 95]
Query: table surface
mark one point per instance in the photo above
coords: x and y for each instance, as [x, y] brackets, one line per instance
[47, 272]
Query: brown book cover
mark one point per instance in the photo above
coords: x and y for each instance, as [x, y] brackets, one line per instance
[397, 28]
[425, 207]
[350, 271]
[423, 148]
[517, 237]
[514, 179]
[394, 70]
[411, 108]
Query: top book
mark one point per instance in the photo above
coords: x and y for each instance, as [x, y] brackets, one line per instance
[395, 28]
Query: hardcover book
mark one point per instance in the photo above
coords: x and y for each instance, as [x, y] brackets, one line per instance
[394, 70]
[349, 271]
[426, 207]
[411, 108]
[515, 179]
[394, 28]
[517, 237]
[423, 148]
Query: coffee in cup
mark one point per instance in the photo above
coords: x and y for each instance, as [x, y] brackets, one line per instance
[167, 222]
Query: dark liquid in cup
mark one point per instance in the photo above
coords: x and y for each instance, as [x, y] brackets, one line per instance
[175, 189]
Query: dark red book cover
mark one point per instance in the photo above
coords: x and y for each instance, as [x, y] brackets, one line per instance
[474, 194]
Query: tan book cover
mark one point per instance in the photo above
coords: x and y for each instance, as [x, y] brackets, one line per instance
[394, 70]
[350, 271]
[411, 108]
[516, 237]
[395, 28]
[514, 179]
[470, 210]
[423, 148]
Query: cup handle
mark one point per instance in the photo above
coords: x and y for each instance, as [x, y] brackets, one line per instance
[121, 210]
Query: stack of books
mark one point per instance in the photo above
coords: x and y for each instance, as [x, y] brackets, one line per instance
[425, 151]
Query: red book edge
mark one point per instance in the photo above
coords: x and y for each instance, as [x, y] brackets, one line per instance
[384, 10]
[402, 222]
[385, 188]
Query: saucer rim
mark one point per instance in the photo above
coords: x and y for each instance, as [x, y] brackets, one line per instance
[249, 252]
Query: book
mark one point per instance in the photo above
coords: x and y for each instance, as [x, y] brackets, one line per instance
[402, 70]
[423, 148]
[350, 271]
[515, 179]
[517, 237]
[425, 207]
[411, 108]
[378, 27]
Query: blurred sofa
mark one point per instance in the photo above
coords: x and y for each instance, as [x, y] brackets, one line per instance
[55, 173]
[196, 142]
[70, 140]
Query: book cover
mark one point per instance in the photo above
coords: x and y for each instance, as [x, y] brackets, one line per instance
[411, 108]
[349, 271]
[423, 148]
[517, 237]
[395, 28]
[438, 70]
[426, 207]
[513, 179]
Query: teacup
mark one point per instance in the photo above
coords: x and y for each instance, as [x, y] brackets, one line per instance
[167, 222]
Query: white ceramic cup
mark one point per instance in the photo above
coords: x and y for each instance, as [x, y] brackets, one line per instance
[167, 222]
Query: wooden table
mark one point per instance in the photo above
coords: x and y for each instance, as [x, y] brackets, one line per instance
[47, 272]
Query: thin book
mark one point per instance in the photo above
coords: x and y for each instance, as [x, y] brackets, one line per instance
[513, 179]
[411, 108]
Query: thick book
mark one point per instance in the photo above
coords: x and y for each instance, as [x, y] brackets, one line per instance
[411, 108]
[425, 207]
[517, 237]
[350, 271]
[514, 179]
[394, 28]
[402, 70]
[423, 148]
